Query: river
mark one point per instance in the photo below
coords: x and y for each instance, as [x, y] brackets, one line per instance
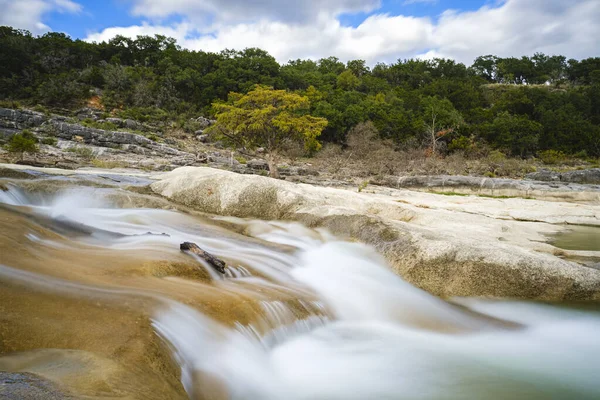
[97, 297]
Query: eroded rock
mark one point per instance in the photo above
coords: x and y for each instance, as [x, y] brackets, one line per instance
[447, 245]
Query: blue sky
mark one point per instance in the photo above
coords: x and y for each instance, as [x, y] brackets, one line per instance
[374, 30]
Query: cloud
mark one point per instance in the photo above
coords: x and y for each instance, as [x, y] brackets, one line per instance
[28, 14]
[178, 32]
[510, 28]
[298, 11]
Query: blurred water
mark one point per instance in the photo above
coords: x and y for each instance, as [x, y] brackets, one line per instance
[328, 319]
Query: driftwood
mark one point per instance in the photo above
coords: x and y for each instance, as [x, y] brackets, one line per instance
[213, 261]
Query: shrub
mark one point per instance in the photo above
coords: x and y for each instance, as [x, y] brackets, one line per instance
[496, 156]
[241, 159]
[107, 126]
[21, 143]
[49, 140]
[108, 164]
[10, 104]
[552, 157]
[83, 152]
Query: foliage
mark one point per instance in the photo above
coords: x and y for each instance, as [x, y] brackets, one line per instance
[49, 140]
[84, 152]
[266, 118]
[21, 143]
[151, 79]
[441, 119]
[552, 157]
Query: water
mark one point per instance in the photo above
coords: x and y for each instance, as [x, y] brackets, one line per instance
[93, 301]
[586, 238]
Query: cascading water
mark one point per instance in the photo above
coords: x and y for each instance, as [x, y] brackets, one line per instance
[297, 315]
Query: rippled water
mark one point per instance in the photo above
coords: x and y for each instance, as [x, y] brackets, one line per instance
[101, 300]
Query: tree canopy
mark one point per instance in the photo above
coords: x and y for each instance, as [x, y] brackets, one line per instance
[556, 100]
[268, 118]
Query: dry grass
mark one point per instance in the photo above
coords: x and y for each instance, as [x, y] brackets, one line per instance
[366, 156]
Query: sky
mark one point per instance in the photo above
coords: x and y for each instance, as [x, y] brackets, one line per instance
[371, 30]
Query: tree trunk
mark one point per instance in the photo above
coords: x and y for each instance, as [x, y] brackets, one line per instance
[273, 171]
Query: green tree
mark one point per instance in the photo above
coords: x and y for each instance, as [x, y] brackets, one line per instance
[516, 133]
[347, 80]
[267, 118]
[441, 119]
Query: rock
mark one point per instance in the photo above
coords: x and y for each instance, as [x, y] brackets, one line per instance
[202, 138]
[115, 121]
[20, 119]
[113, 139]
[204, 122]
[131, 124]
[447, 245]
[27, 386]
[544, 175]
[258, 164]
[471, 185]
[586, 176]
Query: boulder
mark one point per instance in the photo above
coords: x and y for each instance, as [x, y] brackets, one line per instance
[450, 246]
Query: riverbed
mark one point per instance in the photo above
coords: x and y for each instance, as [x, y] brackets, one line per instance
[97, 297]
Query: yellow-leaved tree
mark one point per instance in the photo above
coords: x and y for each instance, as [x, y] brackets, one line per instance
[266, 118]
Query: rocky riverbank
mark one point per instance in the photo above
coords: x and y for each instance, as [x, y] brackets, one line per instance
[449, 246]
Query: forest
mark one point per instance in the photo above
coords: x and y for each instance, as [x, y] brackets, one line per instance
[519, 106]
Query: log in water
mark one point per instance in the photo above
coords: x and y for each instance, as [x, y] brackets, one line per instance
[94, 304]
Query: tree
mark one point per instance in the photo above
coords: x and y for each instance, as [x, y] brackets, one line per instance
[267, 118]
[347, 80]
[441, 119]
[21, 143]
[516, 133]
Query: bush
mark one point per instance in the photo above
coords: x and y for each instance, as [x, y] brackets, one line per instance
[108, 164]
[24, 142]
[83, 152]
[10, 104]
[107, 126]
[49, 140]
[552, 157]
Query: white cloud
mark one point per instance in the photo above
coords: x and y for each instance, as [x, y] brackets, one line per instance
[511, 28]
[177, 32]
[28, 14]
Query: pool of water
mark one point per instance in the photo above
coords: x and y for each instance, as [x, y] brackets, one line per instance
[584, 238]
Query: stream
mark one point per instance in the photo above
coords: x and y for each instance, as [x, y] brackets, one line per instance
[98, 298]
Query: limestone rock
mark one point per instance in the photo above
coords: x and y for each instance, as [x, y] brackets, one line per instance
[450, 246]
[471, 185]
[586, 176]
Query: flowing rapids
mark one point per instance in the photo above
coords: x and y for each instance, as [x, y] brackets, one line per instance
[100, 300]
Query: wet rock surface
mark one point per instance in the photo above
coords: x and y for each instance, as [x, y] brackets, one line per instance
[26, 386]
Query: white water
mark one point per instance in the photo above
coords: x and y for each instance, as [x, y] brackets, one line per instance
[367, 334]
